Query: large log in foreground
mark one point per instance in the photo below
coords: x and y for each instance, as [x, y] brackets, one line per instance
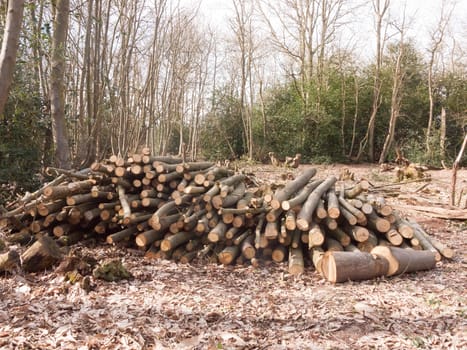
[199, 211]
[352, 266]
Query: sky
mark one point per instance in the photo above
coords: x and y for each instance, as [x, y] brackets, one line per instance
[424, 15]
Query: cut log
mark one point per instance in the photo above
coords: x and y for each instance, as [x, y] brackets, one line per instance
[306, 213]
[228, 254]
[315, 236]
[332, 204]
[296, 263]
[353, 192]
[271, 230]
[320, 211]
[353, 266]
[291, 187]
[279, 253]
[405, 260]
[316, 256]
[359, 215]
[301, 197]
[332, 245]
[369, 244]
[121, 235]
[63, 191]
[218, 232]
[340, 236]
[394, 237]
[43, 254]
[424, 240]
[290, 223]
[378, 223]
[148, 237]
[358, 233]
[9, 261]
[173, 241]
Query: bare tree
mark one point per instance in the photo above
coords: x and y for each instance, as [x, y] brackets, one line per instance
[61, 9]
[436, 41]
[398, 76]
[12, 30]
[243, 29]
[380, 9]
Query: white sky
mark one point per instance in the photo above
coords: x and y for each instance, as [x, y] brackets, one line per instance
[424, 14]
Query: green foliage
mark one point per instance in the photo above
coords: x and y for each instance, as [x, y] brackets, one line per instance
[23, 129]
[221, 133]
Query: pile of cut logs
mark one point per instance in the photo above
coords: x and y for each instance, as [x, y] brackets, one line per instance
[196, 210]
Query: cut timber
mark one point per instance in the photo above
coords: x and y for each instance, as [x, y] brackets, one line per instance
[296, 263]
[440, 247]
[290, 223]
[315, 236]
[218, 232]
[405, 260]
[291, 187]
[339, 235]
[316, 256]
[306, 213]
[173, 241]
[424, 240]
[228, 254]
[358, 233]
[248, 250]
[63, 191]
[357, 189]
[359, 215]
[378, 223]
[279, 253]
[332, 245]
[394, 237]
[121, 235]
[9, 261]
[41, 255]
[354, 266]
[147, 237]
[333, 204]
[404, 228]
[301, 196]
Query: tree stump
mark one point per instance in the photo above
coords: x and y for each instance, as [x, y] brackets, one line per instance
[43, 254]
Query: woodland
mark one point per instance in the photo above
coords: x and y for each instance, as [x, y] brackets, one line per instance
[289, 176]
[95, 78]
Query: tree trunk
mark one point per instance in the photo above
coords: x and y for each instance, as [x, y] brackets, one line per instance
[57, 83]
[11, 34]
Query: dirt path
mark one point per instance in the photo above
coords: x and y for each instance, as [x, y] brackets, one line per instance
[205, 306]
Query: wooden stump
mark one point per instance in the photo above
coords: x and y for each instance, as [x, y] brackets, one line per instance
[41, 255]
[9, 261]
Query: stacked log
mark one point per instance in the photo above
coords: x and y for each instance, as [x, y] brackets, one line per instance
[187, 210]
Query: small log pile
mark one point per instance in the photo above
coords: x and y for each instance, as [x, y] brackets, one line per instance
[197, 210]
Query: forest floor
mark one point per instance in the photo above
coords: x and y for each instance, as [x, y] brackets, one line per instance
[205, 306]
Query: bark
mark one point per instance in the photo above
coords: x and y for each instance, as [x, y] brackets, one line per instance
[9, 261]
[57, 83]
[14, 20]
[405, 260]
[42, 255]
[305, 215]
[353, 266]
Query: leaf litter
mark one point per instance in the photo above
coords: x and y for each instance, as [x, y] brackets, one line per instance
[204, 306]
